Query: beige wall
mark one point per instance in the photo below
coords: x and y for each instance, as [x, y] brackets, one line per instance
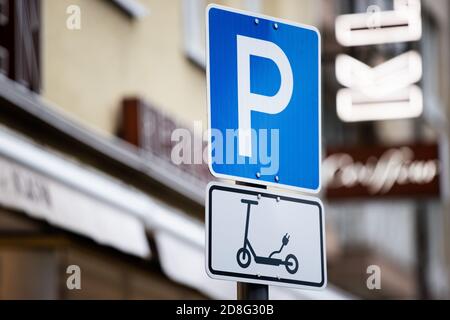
[301, 11]
[87, 72]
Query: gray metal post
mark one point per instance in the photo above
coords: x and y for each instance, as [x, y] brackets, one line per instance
[252, 291]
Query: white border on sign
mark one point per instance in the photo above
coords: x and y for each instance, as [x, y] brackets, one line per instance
[266, 282]
[258, 181]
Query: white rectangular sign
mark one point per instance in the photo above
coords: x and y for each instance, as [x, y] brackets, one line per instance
[264, 237]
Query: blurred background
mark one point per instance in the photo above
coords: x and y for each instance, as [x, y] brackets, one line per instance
[91, 205]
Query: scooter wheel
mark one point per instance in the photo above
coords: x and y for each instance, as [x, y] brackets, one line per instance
[291, 264]
[243, 257]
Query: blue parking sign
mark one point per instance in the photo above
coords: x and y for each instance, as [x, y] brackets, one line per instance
[263, 100]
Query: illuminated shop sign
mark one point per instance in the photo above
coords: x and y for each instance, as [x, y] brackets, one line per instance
[388, 90]
[379, 171]
[150, 130]
[403, 24]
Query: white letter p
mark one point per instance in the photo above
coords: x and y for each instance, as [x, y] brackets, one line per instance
[248, 101]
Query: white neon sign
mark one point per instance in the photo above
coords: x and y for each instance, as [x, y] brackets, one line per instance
[403, 24]
[388, 90]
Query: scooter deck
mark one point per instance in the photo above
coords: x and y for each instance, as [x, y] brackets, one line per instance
[269, 261]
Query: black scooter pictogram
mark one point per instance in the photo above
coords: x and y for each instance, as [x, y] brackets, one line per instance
[244, 254]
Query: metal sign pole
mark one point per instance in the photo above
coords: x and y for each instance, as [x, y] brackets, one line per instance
[252, 291]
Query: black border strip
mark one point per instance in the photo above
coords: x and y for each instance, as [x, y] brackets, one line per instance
[267, 195]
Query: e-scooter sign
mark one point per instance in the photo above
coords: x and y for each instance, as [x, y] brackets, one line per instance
[264, 237]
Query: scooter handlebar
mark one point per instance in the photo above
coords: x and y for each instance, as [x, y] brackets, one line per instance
[249, 202]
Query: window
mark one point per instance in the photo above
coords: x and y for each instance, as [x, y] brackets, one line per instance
[194, 26]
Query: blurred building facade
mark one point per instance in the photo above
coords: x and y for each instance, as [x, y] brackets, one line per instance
[81, 76]
[403, 228]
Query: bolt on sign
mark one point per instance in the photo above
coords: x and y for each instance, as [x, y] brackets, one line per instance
[382, 172]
